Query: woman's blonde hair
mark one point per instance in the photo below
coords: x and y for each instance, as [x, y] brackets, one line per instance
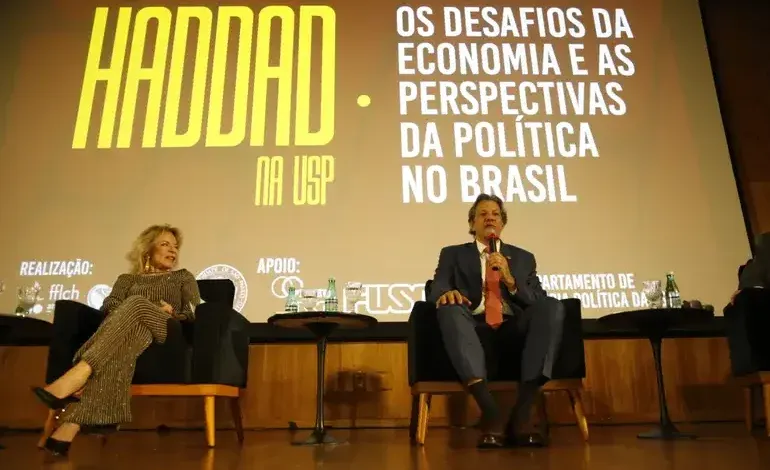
[142, 247]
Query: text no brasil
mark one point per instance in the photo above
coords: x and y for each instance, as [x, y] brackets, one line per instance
[514, 183]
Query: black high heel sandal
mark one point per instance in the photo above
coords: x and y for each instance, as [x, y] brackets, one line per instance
[52, 401]
[57, 448]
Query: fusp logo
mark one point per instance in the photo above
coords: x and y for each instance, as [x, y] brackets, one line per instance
[224, 271]
[281, 284]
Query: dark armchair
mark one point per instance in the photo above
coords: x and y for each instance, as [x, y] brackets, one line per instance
[431, 373]
[747, 323]
[207, 357]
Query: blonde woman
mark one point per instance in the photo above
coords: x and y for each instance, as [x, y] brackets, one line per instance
[96, 391]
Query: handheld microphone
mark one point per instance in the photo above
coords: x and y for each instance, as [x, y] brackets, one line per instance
[492, 246]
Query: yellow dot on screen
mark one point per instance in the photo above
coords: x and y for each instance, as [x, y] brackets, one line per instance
[364, 100]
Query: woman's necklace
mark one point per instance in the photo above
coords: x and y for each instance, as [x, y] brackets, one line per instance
[157, 273]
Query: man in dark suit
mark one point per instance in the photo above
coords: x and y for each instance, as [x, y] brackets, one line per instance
[746, 319]
[491, 297]
[755, 274]
[757, 271]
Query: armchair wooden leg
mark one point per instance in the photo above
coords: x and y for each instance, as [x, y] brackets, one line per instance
[766, 399]
[580, 416]
[48, 427]
[209, 413]
[423, 414]
[748, 407]
[235, 409]
[413, 419]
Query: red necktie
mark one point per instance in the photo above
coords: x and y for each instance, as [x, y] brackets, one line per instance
[493, 299]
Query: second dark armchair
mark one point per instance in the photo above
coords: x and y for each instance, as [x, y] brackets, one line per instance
[431, 372]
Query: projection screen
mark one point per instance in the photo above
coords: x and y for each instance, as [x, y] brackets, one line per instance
[292, 143]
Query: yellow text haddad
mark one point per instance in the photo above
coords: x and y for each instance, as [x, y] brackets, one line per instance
[193, 105]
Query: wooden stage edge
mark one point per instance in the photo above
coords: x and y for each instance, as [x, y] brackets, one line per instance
[366, 386]
[721, 446]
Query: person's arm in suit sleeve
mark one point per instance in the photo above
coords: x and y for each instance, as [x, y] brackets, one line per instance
[117, 295]
[528, 292]
[443, 278]
[191, 297]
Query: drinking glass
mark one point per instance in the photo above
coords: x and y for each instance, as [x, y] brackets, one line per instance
[654, 293]
[308, 299]
[353, 293]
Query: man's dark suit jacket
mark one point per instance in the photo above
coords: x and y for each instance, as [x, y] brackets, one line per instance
[459, 268]
[756, 273]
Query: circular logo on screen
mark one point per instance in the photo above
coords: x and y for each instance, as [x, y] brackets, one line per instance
[280, 286]
[225, 271]
[97, 294]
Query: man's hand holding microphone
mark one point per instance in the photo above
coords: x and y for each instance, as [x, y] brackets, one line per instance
[496, 261]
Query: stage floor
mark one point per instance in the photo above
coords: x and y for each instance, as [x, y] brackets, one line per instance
[611, 448]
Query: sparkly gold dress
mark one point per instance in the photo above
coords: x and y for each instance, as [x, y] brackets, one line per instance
[133, 321]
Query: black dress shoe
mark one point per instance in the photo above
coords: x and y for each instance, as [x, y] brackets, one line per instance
[491, 441]
[51, 401]
[57, 448]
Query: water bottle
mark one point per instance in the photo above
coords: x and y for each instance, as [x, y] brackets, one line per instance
[291, 301]
[673, 299]
[330, 302]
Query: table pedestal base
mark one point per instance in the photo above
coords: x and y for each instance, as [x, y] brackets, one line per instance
[666, 429]
[669, 433]
[320, 436]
